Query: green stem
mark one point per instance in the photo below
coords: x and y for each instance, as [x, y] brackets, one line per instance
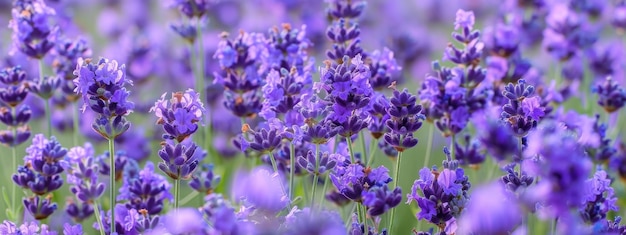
[315, 174]
[75, 123]
[453, 140]
[324, 190]
[370, 158]
[176, 193]
[395, 184]
[96, 211]
[362, 137]
[48, 115]
[112, 181]
[429, 145]
[292, 165]
[275, 166]
[349, 140]
[14, 186]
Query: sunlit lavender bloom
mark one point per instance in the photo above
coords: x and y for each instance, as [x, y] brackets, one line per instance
[101, 85]
[83, 174]
[514, 180]
[310, 222]
[204, 181]
[567, 33]
[192, 8]
[179, 115]
[445, 193]
[599, 198]
[260, 188]
[12, 114]
[497, 212]
[242, 90]
[145, 190]
[470, 153]
[612, 96]
[563, 173]
[523, 110]
[33, 34]
[28, 228]
[405, 118]
[384, 69]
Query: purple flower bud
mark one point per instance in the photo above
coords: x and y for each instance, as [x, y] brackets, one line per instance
[39, 208]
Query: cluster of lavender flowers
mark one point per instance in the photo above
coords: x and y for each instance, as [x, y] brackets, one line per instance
[528, 109]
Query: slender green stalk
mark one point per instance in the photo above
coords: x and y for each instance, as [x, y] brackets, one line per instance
[75, 123]
[395, 184]
[349, 140]
[362, 137]
[349, 216]
[315, 175]
[292, 165]
[14, 186]
[324, 191]
[452, 146]
[96, 212]
[275, 166]
[370, 158]
[553, 225]
[176, 193]
[429, 145]
[112, 181]
[48, 115]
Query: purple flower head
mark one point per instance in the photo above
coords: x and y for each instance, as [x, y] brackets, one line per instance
[563, 173]
[102, 88]
[205, 181]
[338, 9]
[345, 39]
[612, 96]
[349, 180]
[514, 180]
[40, 208]
[310, 222]
[464, 20]
[66, 54]
[523, 110]
[12, 114]
[384, 69]
[282, 92]
[145, 189]
[186, 31]
[405, 118]
[179, 115]
[619, 15]
[184, 221]
[28, 228]
[242, 90]
[179, 160]
[43, 166]
[287, 49]
[599, 198]
[192, 8]
[326, 163]
[69, 229]
[78, 211]
[497, 212]
[32, 33]
[566, 33]
[605, 60]
[83, 174]
[261, 189]
[381, 199]
[470, 153]
[46, 87]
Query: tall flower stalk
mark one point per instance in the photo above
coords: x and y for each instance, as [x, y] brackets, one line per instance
[15, 116]
[101, 86]
[179, 117]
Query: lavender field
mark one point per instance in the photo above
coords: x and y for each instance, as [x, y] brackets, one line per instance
[311, 117]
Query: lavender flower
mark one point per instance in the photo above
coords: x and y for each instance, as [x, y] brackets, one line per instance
[497, 212]
[32, 33]
[612, 97]
[444, 193]
[14, 116]
[192, 8]
[205, 181]
[66, 54]
[515, 180]
[523, 110]
[144, 189]
[83, 175]
[405, 118]
[179, 115]
[470, 154]
[261, 189]
[245, 53]
[599, 198]
[310, 222]
[567, 33]
[28, 228]
[381, 199]
[101, 85]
